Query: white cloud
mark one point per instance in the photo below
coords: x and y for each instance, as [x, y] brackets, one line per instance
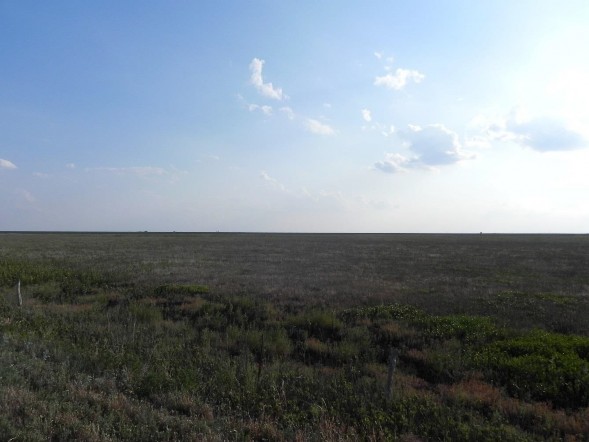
[318, 127]
[41, 175]
[264, 175]
[393, 163]
[433, 145]
[399, 80]
[367, 115]
[70, 166]
[5, 164]
[270, 91]
[378, 54]
[266, 110]
[266, 89]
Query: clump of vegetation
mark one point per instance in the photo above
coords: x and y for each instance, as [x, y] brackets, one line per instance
[542, 366]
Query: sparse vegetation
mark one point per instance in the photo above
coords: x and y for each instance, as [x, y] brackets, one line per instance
[286, 337]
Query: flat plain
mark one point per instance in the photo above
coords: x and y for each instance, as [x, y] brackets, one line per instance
[217, 336]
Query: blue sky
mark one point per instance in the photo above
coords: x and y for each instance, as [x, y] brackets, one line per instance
[331, 116]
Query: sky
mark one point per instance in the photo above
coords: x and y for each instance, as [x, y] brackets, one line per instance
[450, 116]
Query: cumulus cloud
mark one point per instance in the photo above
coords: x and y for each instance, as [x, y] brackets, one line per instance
[430, 146]
[366, 115]
[5, 164]
[266, 89]
[399, 79]
[319, 128]
[434, 145]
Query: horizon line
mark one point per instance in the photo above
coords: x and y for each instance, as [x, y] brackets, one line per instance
[275, 232]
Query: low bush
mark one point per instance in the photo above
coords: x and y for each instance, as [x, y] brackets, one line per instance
[541, 365]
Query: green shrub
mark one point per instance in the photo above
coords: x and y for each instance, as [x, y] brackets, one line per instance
[542, 366]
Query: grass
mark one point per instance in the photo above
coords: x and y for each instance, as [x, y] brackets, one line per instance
[286, 337]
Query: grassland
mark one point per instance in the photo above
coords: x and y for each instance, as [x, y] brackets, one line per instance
[287, 337]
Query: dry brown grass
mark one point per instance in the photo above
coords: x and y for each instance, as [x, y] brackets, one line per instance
[479, 394]
[192, 304]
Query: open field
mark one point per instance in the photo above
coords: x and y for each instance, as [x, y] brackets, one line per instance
[179, 336]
